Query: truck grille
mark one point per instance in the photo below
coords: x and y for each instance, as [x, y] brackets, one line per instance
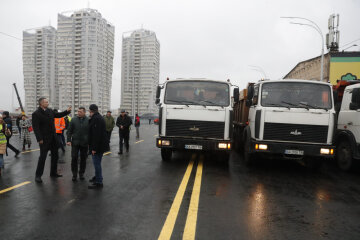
[295, 132]
[190, 128]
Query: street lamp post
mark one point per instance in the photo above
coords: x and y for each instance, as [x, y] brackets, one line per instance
[258, 69]
[317, 28]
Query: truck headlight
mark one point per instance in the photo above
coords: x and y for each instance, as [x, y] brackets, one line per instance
[165, 142]
[261, 147]
[222, 145]
[326, 151]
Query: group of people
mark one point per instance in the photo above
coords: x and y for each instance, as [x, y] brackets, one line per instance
[6, 133]
[86, 136]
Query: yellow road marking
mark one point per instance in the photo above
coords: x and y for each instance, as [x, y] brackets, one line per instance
[139, 141]
[190, 226]
[107, 153]
[16, 186]
[31, 151]
[174, 210]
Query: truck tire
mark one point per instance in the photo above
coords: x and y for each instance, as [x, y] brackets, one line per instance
[344, 157]
[166, 154]
[248, 156]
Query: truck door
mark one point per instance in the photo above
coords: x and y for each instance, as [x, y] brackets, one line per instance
[349, 119]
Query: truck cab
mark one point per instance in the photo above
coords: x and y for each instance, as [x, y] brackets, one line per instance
[194, 115]
[348, 128]
[291, 119]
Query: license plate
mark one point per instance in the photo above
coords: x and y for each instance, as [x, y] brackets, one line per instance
[193, 147]
[294, 152]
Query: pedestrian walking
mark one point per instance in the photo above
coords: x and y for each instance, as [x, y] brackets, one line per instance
[123, 122]
[44, 129]
[25, 133]
[97, 144]
[8, 122]
[4, 132]
[149, 121]
[110, 124]
[137, 126]
[59, 128]
[18, 124]
[77, 138]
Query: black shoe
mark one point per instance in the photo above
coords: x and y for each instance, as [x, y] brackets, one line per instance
[92, 180]
[81, 176]
[38, 179]
[17, 153]
[74, 178]
[120, 152]
[96, 186]
[56, 175]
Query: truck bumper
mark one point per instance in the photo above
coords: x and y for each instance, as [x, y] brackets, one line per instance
[193, 144]
[292, 150]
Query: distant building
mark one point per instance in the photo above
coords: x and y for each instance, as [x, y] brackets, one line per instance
[337, 66]
[140, 69]
[84, 59]
[39, 66]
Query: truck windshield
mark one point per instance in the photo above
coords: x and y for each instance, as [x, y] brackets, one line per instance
[296, 95]
[203, 93]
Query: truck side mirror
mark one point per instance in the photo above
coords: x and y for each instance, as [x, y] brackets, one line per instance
[236, 94]
[250, 93]
[158, 91]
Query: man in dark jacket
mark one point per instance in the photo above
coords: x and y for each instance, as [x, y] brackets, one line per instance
[77, 138]
[97, 144]
[124, 122]
[110, 124]
[44, 129]
[8, 122]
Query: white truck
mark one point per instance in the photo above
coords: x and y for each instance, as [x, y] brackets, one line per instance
[347, 137]
[196, 115]
[291, 119]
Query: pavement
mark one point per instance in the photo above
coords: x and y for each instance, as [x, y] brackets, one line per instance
[194, 196]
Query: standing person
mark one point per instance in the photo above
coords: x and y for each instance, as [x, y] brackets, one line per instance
[4, 132]
[8, 122]
[25, 134]
[110, 124]
[123, 122]
[18, 124]
[59, 127]
[44, 129]
[137, 125]
[97, 144]
[149, 121]
[77, 138]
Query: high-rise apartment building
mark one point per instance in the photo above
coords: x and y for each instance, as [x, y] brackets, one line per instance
[39, 66]
[139, 71]
[84, 59]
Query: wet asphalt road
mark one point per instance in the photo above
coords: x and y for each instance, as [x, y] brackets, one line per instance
[144, 197]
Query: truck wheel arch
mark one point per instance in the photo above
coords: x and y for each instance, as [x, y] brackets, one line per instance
[349, 137]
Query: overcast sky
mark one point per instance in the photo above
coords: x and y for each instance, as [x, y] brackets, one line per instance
[198, 38]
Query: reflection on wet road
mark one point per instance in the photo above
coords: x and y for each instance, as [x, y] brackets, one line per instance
[192, 197]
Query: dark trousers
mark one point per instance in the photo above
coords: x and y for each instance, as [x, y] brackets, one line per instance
[74, 159]
[44, 148]
[63, 138]
[108, 136]
[8, 145]
[97, 165]
[124, 138]
[60, 144]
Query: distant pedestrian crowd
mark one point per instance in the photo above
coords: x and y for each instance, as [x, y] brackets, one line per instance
[85, 135]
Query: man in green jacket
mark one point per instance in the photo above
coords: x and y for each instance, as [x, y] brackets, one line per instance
[109, 124]
[77, 138]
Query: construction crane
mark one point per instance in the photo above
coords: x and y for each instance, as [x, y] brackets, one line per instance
[18, 97]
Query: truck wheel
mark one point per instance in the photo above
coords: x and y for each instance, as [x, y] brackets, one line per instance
[166, 154]
[344, 156]
[248, 157]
